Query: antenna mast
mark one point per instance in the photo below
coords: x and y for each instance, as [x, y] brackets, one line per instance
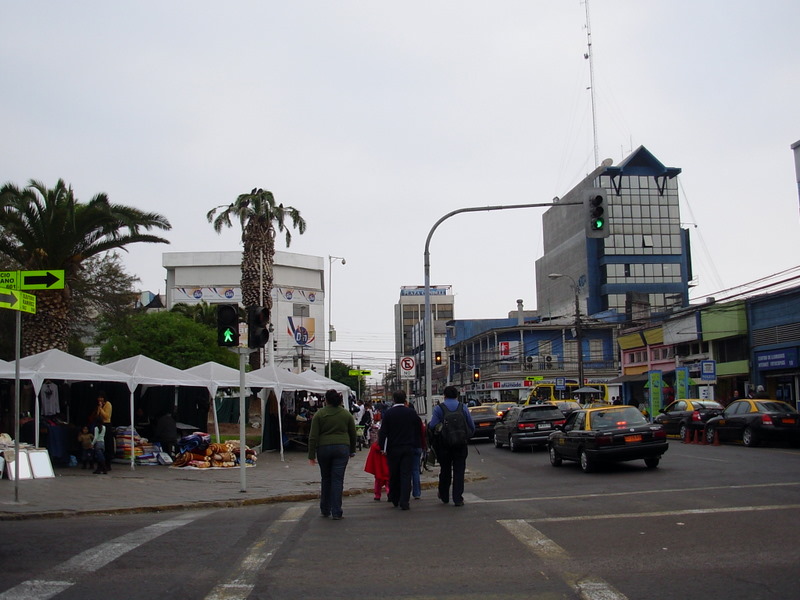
[588, 55]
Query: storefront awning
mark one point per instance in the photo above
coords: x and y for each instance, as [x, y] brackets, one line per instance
[629, 378]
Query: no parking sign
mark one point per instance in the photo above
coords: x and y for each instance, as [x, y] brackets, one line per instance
[408, 367]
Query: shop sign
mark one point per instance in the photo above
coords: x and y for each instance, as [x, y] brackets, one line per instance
[776, 359]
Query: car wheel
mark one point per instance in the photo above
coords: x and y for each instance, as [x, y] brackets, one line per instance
[652, 463]
[511, 444]
[586, 464]
[710, 433]
[749, 438]
[555, 459]
[683, 431]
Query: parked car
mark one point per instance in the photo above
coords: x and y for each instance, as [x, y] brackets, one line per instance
[501, 408]
[527, 425]
[754, 421]
[684, 416]
[484, 417]
[612, 433]
[567, 406]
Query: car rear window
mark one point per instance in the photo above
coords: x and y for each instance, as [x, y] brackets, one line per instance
[535, 413]
[774, 407]
[708, 405]
[616, 418]
[481, 410]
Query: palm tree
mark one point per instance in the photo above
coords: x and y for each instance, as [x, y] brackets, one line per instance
[50, 229]
[260, 218]
[202, 312]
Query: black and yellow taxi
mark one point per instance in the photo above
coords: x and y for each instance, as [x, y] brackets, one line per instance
[753, 421]
[484, 417]
[683, 416]
[607, 434]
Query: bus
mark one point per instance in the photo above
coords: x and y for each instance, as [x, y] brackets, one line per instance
[545, 391]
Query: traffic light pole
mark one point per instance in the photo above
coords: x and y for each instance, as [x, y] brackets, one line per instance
[428, 349]
[243, 353]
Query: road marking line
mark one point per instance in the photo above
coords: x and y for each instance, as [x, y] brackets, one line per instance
[668, 513]
[93, 559]
[558, 558]
[637, 493]
[243, 579]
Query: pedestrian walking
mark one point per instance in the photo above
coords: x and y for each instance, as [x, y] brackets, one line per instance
[377, 466]
[398, 437]
[331, 443]
[452, 426]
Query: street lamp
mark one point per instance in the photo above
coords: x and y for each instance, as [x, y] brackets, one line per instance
[578, 336]
[331, 331]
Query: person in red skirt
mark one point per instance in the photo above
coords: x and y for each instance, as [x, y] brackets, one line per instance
[378, 467]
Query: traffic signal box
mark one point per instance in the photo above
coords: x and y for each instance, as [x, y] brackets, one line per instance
[596, 213]
[227, 325]
[257, 327]
[476, 375]
[437, 358]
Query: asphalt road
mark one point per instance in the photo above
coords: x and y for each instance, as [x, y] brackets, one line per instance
[711, 522]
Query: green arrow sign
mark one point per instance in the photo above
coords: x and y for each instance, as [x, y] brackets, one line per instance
[358, 372]
[16, 300]
[32, 280]
[41, 280]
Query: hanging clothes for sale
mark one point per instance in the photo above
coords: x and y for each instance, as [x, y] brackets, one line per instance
[49, 399]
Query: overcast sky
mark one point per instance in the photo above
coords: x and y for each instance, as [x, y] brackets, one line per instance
[375, 119]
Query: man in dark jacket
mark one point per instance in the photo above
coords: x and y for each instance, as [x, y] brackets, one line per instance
[399, 436]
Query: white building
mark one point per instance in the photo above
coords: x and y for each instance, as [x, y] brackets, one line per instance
[298, 311]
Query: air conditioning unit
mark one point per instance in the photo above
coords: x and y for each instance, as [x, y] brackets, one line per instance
[531, 360]
[548, 360]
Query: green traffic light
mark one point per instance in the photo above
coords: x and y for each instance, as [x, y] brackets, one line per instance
[228, 335]
[598, 223]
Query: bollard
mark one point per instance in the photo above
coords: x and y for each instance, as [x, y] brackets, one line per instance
[703, 441]
[687, 438]
[716, 437]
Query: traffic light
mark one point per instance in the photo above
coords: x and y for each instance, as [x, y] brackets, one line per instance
[257, 326]
[227, 325]
[437, 358]
[596, 213]
[476, 375]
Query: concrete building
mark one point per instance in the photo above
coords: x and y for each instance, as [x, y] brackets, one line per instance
[409, 314]
[298, 295]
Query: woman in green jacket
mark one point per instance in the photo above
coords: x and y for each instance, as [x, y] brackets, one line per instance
[331, 443]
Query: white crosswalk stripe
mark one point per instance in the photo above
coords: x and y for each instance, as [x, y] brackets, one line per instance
[69, 572]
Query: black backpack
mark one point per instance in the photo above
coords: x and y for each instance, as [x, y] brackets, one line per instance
[454, 431]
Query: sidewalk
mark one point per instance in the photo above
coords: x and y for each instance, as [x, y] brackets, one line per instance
[76, 491]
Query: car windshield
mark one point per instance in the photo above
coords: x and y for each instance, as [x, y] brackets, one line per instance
[616, 418]
[536, 413]
[481, 410]
[775, 407]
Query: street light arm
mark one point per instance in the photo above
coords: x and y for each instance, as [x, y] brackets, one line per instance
[427, 264]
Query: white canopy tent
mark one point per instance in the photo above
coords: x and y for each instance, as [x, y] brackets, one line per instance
[147, 372]
[215, 376]
[56, 364]
[328, 384]
[285, 381]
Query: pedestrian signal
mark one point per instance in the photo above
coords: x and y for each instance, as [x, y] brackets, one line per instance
[227, 325]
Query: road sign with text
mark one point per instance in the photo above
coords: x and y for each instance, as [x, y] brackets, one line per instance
[17, 300]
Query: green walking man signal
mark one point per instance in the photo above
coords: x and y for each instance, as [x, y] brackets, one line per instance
[228, 325]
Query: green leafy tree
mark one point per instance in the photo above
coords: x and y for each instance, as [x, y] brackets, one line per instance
[167, 337]
[51, 229]
[260, 218]
[341, 372]
[202, 312]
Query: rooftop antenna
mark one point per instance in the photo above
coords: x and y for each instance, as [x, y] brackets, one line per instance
[589, 56]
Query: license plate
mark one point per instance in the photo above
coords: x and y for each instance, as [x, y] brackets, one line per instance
[544, 426]
[788, 421]
[633, 438]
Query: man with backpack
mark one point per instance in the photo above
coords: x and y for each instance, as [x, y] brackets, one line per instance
[452, 427]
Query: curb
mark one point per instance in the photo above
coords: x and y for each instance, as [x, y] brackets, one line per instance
[197, 505]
